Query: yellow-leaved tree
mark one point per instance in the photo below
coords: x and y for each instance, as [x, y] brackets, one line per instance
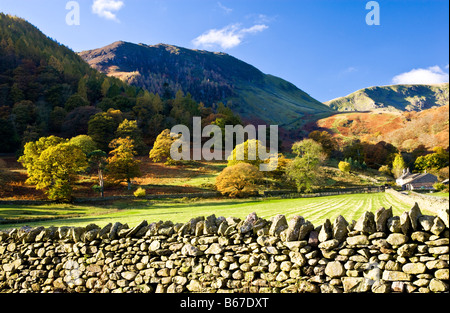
[52, 164]
[122, 164]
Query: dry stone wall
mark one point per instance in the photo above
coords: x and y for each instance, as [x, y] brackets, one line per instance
[433, 204]
[379, 253]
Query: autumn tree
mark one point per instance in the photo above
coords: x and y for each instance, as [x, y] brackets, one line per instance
[52, 164]
[122, 164]
[344, 167]
[280, 171]
[130, 129]
[239, 180]
[304, 169]
[247, 152]
[327, 141]
[434, 161]
[398, 165]
[381, 153]
[386, 170]
[161, 147]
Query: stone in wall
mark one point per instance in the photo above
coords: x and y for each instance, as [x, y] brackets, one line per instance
[379, 253]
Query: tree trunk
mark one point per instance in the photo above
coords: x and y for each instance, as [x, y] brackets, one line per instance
[129, 183]
[100, 181]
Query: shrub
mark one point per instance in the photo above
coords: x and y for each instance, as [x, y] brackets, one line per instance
[440, 186]
[240, 180]
[140, 193]
[344, 167]
[385, 169]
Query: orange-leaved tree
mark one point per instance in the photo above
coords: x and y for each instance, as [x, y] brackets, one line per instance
[239, 180]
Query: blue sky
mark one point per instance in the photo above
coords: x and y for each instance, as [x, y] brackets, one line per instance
[324, 47]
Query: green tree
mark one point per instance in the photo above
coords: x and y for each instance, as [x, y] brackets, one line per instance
[130, 129]
[122, 164]
[82, 88]
[434, 161]
[239, 180]
[98, 161]
[355, 150]
[9, 140]
[304, 169]
[75, 101]
[5, 177]
[398, 165]
[85, 143]
[24, 113]
[102, 126]
[34, 149]
[57, 117]
[247, 152]
[52, 164]
[106, 104]
[161, 147]
[148, 111]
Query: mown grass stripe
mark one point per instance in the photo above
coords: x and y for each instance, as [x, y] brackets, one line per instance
[316, 210]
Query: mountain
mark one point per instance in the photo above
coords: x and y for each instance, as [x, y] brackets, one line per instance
[405, 130]
[210, 77]
[45, 87]
[394, 98]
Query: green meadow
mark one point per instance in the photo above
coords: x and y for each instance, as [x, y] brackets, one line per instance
[316, 210]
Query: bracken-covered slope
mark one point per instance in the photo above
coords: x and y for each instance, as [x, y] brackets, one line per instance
[405, 130]
[210, 77]
[394, 98]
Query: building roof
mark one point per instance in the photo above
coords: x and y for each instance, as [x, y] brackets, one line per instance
[417, 178]
[421, 185]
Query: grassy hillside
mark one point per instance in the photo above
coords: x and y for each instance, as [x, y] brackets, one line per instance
[209, 77]
[394, 98]
[405, 130]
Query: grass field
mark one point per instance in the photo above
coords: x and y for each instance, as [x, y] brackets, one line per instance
[314, 209]
[442, 194]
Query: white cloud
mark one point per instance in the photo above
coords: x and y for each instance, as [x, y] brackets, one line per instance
[350, 69]
[107, 8]
[431, 75]
[227, 37]
[224, 8]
